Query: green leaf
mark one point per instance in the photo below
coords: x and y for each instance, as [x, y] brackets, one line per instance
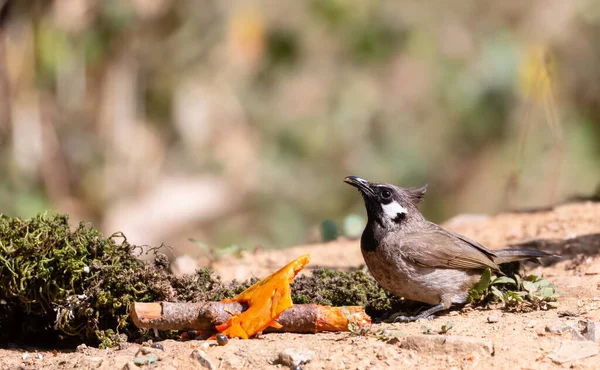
[426, 330]
[498, 294]
[531, 278]
[504, 280]
[484, 282]
[519, 282]
[548, 292]
[517, 296]
[529, 286]
[543, 283]
[446, 327]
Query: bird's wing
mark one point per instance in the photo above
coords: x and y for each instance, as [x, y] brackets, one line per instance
[466, 240]
[442, 249]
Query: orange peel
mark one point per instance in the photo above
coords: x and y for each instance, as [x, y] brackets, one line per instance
[266, 300]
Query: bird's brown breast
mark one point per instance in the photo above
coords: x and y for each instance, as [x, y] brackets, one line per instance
[403, 278]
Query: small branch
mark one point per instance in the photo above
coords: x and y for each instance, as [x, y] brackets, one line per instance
[204, 316]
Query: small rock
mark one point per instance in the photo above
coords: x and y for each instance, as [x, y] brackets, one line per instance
[147, 355]
[39, 356]
[203, 359]
[143, 351]
[532, 324]
[566, 314]
[158, 346]
[191, 334]
[557, 327]
[393, 340]
[82, 347]
[25, 356]
[130, 366]
[591, 331]
[448, 344]
[233, 363]
[576, 335]
[222, 340]
[492, 319]
[291, 357]
[571, 350]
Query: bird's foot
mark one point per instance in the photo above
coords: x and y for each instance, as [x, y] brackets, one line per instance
[427, 314]
[401, 318]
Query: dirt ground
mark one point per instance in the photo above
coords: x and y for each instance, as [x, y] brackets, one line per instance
[516, 340]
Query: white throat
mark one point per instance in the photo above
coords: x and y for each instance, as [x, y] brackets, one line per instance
[393, 209]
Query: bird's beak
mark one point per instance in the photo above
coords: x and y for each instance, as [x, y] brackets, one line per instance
[363, 185]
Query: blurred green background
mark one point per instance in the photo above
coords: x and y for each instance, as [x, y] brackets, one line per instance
[235, 122]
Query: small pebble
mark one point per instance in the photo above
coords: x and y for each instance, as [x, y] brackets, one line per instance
[393, 340]
[130, 366]
[557, 327]
[124, 345]
[191, 334]
[82, 347]
[297, 368]
[158, 346]
[292, 357]
[492, 319]
[39, 356]
[222, 339]
[25, 356]
[591, 331]
[203, 359]
[531, 324]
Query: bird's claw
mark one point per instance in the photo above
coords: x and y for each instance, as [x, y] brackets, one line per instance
[413, 318]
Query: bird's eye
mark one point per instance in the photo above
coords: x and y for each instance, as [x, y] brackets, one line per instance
[386, 194]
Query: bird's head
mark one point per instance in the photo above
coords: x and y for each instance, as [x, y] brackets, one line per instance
[389, 205]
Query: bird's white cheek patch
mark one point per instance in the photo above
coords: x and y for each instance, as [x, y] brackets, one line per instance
[393, 209]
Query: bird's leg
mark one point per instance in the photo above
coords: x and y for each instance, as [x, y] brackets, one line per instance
[427, 314]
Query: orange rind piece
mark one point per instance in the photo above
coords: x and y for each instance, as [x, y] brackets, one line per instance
[266, 300]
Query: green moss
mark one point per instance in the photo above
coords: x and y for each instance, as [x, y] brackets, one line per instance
[57, 283]
[337, 288]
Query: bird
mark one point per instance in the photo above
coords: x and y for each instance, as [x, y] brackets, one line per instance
[417, 259]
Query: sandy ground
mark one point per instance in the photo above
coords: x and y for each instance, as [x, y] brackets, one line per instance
[516, 340]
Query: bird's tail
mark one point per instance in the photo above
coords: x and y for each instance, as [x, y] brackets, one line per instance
[513, 255]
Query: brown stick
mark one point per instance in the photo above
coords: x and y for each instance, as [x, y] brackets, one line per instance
[203, 316]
